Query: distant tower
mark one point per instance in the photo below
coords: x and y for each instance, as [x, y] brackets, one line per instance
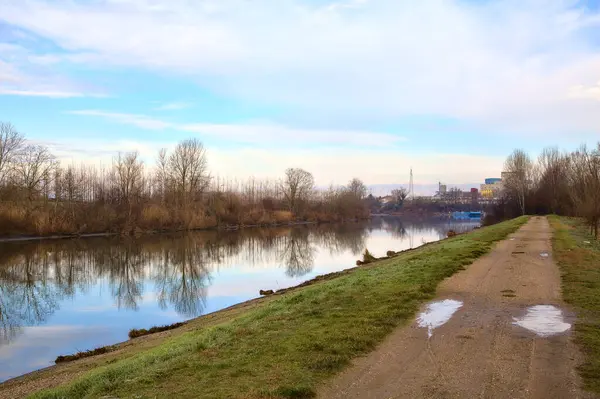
[411, 186]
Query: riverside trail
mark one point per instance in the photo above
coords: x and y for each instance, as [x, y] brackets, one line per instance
[489, 348]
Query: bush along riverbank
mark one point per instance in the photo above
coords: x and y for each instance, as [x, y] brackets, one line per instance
[578, 255]
[282, 346]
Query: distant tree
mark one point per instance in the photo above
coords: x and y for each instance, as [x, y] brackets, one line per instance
[11, 144]
[162, 173]
[585, 185]
[128, 172]
[357, 188]
[518, 170]
[33, 167]
[187, 170]
[399, 195]
[553, 180]
[296, 186]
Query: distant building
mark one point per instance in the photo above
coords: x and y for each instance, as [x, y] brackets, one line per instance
[493, 180]
[492, 188]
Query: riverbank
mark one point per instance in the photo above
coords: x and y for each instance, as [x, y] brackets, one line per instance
[278, 346]
[59, 218]
[578, 256]
[138, 233]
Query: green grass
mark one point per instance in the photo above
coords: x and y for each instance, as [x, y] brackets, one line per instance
[290, 345]
[580, 267]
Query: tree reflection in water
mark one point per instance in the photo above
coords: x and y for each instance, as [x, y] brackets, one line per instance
[174, 270]
[298, 253]
[181, 277]
[25, 296]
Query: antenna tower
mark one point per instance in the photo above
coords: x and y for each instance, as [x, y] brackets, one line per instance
[411, 186]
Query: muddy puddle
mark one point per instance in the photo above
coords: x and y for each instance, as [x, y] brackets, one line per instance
[437, 314]
[543, 320]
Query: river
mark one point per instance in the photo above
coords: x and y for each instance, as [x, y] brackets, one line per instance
[59, 297]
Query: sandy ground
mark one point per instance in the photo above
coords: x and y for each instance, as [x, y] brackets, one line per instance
[479, 352]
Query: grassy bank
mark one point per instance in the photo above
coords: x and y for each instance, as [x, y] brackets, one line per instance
[578, 255]
[285, 347]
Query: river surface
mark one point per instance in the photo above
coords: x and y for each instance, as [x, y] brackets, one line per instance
[59, 297]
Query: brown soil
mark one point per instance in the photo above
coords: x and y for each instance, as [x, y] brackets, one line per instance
[479, 353]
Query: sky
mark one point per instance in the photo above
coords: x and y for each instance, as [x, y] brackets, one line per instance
[354, 88]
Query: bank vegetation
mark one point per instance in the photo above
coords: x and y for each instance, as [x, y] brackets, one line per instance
[41, 196]
[557, 182]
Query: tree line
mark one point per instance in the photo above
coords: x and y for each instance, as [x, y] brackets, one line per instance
[39, 196]
[557, 182]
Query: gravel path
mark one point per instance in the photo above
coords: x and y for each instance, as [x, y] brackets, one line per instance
[481, 351]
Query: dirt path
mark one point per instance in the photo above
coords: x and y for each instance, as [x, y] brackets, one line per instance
[479, 352]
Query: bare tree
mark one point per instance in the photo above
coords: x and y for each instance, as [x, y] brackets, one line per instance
[162, 173]
[188, 170]
[357, 188]
[33, 167]
[553, 179]
[518, 170]
[128, 178]
[399, 195]
[296, 186]
[585, 185]
[11, 143]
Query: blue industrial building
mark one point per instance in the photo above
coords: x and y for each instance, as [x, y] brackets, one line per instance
[493, 180]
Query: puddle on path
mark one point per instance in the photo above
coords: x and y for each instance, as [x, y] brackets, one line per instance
[544, 320]
[437, 314]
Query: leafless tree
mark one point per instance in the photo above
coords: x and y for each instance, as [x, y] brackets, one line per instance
[128, 178]
[11, 143]
[296, 186]
[553, 179]
[188, 170]
[357, 188]
[400, 195]
[518, 170]
[585, 185]
[33, 167]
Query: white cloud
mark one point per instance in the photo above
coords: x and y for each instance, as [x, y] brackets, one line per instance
[25, 73]
[41, 93]
[498, 65]
[141, 121]
[266, 134]
[173, 106]
[373, 166]
[257, 133]
[586, 92]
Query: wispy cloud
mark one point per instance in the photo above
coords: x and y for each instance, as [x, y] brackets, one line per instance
[591, 92]
[40, 93]
[141, 121]
[384, 59]
[256, 133]
[374, 166]
[173, 106]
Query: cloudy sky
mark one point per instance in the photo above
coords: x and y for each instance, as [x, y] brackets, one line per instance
[364, 88]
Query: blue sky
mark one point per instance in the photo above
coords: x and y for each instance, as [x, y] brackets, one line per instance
[364, 88]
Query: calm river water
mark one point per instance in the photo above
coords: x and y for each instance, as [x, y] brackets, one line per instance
[63, 296]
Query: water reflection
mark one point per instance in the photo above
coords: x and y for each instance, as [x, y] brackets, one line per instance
[60, 296]
[36, 276]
